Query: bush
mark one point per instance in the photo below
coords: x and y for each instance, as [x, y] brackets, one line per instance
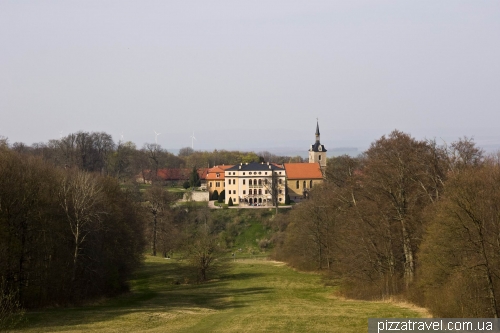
[186, 185]
[222, 196]
[230, 203]
[287, 200]
[215, 195]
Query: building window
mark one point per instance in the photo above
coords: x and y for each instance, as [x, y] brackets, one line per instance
[260, 181]
[265, 192]
[297, 185]
[244, 192]
[210, 184]
[217, 175]
[243, 181]
[217, 184]
[279, 199]
[260, 172]
[249, 182]
[310, 184]
[234, 181]
[260, 191]
[304, 184]
[319, 157]
[279, 181]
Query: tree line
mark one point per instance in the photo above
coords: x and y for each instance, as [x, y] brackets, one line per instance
[408, 218]
[66, 235]
[97, 152]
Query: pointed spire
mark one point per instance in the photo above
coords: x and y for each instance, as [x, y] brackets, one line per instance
[317, 130]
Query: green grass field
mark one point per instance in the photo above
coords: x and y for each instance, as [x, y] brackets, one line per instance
[253, 296]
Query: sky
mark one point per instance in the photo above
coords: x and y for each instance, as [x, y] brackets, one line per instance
[250, 75]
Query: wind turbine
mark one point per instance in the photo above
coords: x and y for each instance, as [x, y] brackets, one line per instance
[156, 136]
[192, 142]
[121, 139]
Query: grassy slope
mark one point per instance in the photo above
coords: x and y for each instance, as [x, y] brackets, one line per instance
[254, 296]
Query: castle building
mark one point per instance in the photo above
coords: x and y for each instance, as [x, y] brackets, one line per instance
[254, 183]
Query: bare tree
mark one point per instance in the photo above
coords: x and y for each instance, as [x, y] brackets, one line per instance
[153, 151]
[203, 251]
[158, 202]
[4, 141]
[461, 252]
[274, 185]
[186, 151]
[80, 197]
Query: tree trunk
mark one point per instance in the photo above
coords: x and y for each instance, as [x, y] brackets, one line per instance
[409, 264]
[154, 234]
[488, 274]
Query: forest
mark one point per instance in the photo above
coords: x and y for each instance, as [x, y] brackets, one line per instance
[74, 224]
[408, 219]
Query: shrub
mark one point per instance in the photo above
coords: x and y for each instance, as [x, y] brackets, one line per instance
[222, 196]
[230, 203]
[287, 200]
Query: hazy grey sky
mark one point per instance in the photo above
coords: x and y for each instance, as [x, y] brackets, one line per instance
[250, 74]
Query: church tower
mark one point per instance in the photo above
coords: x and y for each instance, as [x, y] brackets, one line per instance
[317, 152]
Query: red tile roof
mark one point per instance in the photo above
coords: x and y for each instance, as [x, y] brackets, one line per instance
[303, 171]
[202, 173]
[218, 169]
[176, 174]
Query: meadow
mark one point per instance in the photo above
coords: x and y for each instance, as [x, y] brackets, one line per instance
[253, 295]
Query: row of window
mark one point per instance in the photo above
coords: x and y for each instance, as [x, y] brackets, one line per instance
[251, 200]
[304, 184]
[254, 192]
[259, 182]
[255, 173]
[253, 182]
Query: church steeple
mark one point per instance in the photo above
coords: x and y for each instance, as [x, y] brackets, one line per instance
[317, 130]
[317, 152]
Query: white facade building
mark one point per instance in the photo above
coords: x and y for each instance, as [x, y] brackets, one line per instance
[255, 184]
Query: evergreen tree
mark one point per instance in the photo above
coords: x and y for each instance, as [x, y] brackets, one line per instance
[230, 203]
[287, 199]
[194, 179]
[215, 195]
[222, 196]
